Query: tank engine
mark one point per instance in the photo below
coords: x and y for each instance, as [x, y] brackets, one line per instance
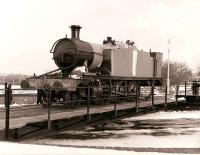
[111, 66]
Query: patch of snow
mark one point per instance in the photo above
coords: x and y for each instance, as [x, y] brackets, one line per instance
[135, 141]
[169, 115]
[8, 148]
[2, 105]
[177, 130]
[18, 91]
[21, 104]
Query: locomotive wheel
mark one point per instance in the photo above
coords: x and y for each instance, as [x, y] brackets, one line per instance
[132, 94]
[107, 91]
[106, 85]
[44, 103]
[42, 98]
[72, 100]
[98, 101]
[100, 91]
[96, 91]
[102, 71]
[115, 98]
[131, 98]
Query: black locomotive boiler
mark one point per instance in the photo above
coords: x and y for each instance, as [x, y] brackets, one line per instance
[96, 71]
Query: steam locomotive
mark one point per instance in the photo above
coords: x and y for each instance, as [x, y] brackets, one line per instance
[95, 71]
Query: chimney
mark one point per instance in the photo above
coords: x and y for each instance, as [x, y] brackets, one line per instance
[75, 31]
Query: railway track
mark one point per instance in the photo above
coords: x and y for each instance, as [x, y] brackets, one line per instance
[34, 110]
[22, 111]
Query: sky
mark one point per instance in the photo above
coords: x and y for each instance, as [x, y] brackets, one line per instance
[28, 28]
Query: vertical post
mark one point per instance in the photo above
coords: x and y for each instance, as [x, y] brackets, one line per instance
[153, 55]
[88, 104]
[38, 95]
[166, 88]
[194, 88]
[136, 99]
[127, 92]
[177, 88]
[8, 96]
[49, 109]
[115, 104]
[6, 118]
[152, 94]
[168, 80]
[185, 90]
[153, 82]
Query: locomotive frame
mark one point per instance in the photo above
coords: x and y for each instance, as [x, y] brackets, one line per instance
[101, 89]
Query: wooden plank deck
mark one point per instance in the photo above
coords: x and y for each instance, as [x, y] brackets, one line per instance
[69, 113]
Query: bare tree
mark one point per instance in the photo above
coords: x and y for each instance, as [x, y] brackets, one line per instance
[12, 78]
[178, 73]
[198, 71]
